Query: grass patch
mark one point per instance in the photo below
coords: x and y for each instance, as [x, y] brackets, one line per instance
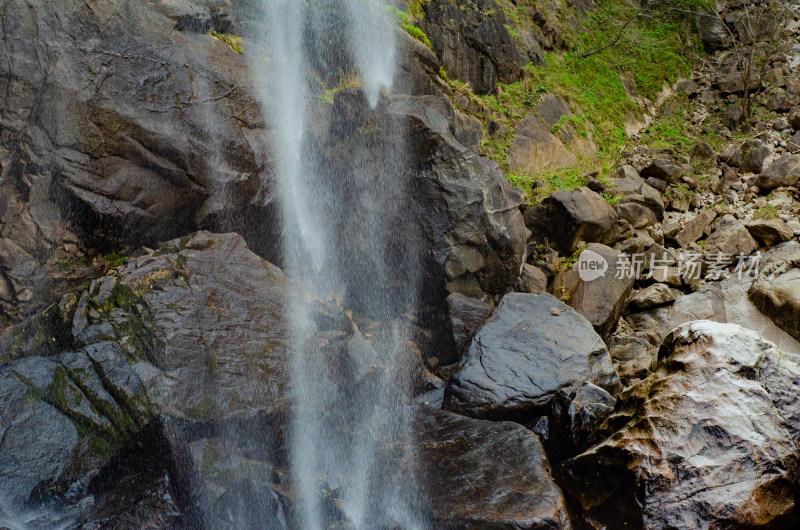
[418, 34]
[234, 42]
[765, 213]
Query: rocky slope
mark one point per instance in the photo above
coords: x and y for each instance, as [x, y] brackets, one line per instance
[566, 368]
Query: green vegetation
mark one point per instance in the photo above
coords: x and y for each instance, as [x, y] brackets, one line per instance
[115, 260]
[234, 42]
[206, 409]
[590, 77]
[416, 8]
[765, 213]
[418, 34]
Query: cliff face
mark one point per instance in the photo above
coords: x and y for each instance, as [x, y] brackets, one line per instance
[143, 304]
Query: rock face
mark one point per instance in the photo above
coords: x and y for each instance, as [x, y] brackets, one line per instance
[532, 346]
[776, 291]
[601, 300]
[568, 217]
[536, 149]
[202, 322]
[722, 404]
[467, 212]
[473, 483]
[472, 46]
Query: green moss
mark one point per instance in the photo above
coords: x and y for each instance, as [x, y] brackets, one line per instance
[418, 34]
[234, 42]
[115, 260]
[765, 213]
[416, 8]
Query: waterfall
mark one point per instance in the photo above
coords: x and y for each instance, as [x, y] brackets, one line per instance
[351, 422]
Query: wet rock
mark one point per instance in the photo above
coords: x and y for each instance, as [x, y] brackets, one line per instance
[536, 149]
[776, 291]
[466, 316]
[577, 414]
[472, 482]
[770, 232]
[731, 238]
[666, 455]
[654, 295]
[532, 346]
[570, 216]
[785, 171]
[251, 503]
[466, 211]
[202, 320]
[602, 299]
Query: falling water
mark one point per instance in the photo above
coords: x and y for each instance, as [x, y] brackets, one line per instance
[351, 427]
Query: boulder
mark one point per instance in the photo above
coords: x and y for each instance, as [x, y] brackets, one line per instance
[637, 215]
[734, 82]
[551, 109]
[532, 346]
[466, 213]
[732, 116]
[776, 290]
[473, 484]
[654, 295]
[785, 171]
[695, 228]
[466, 316]
[702, 152]
[535, 149]
[770, 232]
[633, 354]
[636, 190]
[664, 169]
[202, 322]
[570, 216]
[753, 160]
[532, 280]
[712, 30]
[731, 238]
[601, 299]
[722, 404]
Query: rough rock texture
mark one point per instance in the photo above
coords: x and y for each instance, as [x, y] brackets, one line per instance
[483, 474]
[466, 316]
[467, 211]
[472, 46]
[536, 149]
[770, 232]
[600, 300]
[722, 404]
[776, 291]
[570, 216]
[532, 346]
[784, 171]
[202, 322]
[730, 237]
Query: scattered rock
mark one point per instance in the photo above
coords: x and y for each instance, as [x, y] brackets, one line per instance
[695, 228]
[655, 295]
[663, 169]
[532, 280]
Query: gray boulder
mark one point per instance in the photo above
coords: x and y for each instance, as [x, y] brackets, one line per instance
[466, 316]
[570, 216]
[473, 484]
[730, 237]
[785, 171]
[532, 346]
